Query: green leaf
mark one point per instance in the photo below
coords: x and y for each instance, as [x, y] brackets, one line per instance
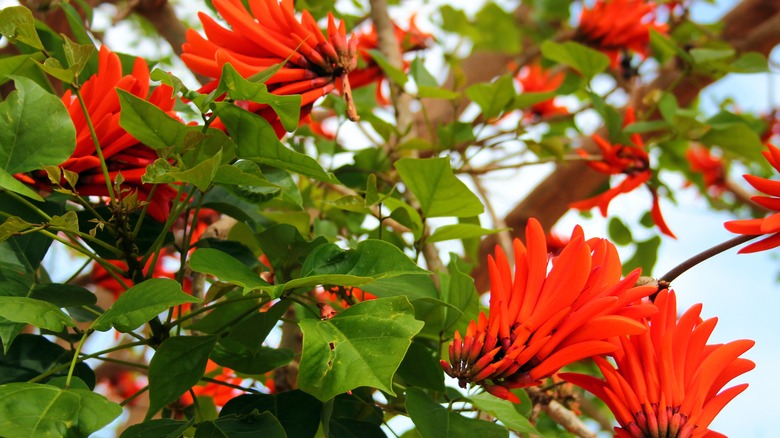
[412, 286]
[736, 138]
[32, 355]
[141, 303]
[422, 77]
[370, 260]
[750, 62]
[585, 60]
[17, 24]
[37, 410]
[249, 333]
[36, 312]
[493, 98]
[298, 412]
[361, 346]
[67, 222]
[706, 56]
[229, 269]
[643, 127]
[149, 124]
[78, 55]
[257, 362]
[177, 365]
[250, 425]
[497, 30]
[435, 421]
[287, 107]
[256, 141]
[619, 233]
[12, 226]
[438, 190]
[160, 428]
[201, 175]
[645, 256]
[505, 411]
[63, 295]
[29, 137]
[394, 74]
[286, 249]
[459, 231]
[421, 367]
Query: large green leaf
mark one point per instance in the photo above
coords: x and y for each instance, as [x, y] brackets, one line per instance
[37, 410]
[141, 303]
[585, 60]
[435, 421]
[229, 269]
[370, 260]
[438, 190]
[361, 346]
[32, 355]
[257, 141]
[249, 425]
[30, 137]
[298, 412]
[505, 411]
[412, 286]
[735, 137]
[36, 312]
[177, 365]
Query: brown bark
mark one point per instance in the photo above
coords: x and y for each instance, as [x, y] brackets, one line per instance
[753, 25]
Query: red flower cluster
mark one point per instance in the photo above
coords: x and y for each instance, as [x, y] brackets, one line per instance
[541, 320]
[615, 26]
[711, 168]
[768, 225]
[269, 34]
[667, 381]
[535, 79]
[631, 160]
[122, 152]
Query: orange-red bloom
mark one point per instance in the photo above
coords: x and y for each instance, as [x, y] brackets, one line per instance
[535, 79]
[221, 394]
[668, 380]
[631, 160]
[615, 26]
[541, 321]
[122, 152]
[266, 34]
[768, 225]
[711, 168]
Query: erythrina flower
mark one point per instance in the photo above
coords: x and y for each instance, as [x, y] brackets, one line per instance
[768, 225]
[122, 152]
[631, 160]
[541, 320]
[710, 167]
[535, 79]
[267, 34]
[667, 381]
[615, 26]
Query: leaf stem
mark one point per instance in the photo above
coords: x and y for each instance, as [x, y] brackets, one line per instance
[98, 149]
[75, 359]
